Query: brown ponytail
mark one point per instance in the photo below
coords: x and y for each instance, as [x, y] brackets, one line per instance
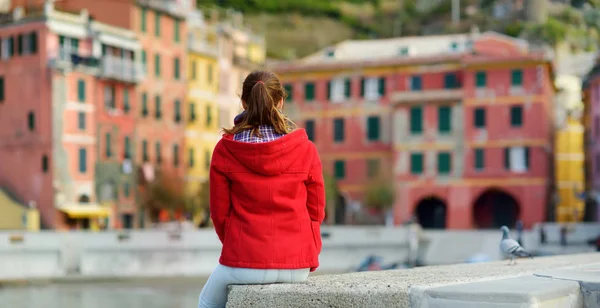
[261, 92]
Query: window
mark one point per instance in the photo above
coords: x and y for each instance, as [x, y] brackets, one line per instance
[373, 166]
[145, 151]
[451, 81]
[176, 68]
[454, 46]
[127, 142]
[309, 125]
[33, 42]
[516, 78]
[81, 90]
[193, 70]
[157, 110]
[373, 128]
[416, 163]
[339, 167]
[416, 83]
[416, 120]
[126, 190]
[157, 24]
[403, 51]
[109, 97]
[126, 106]
[20, 44]
[158, 152]
[81, 120]
[209, 72]
[176, 155]
[207, 160]
[191, 158]
[144, 60]
[31, 121]
[157, 65]
[192, 112]
[444, 163]
[177, 34]
[479, 118]
[144, 105]
[45, 163]
[309, 91]
[338, 90]
[82, 160]
[372, 88]
[208, 116]
[480, 79]
[516, 159]
[108, 145]
[177, 111]
[479, 159]
[516, 116]
[338, 130]
[289, 91]
[143, 19]
[444, 119]
[1, 89]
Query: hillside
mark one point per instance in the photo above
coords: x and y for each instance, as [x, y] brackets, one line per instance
[295, 28]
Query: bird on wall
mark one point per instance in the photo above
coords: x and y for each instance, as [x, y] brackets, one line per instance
[511, 248]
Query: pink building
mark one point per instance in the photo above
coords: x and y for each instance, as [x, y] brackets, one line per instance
[53, 71]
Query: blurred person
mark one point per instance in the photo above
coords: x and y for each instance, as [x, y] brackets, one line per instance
[519, 227]
[563, 235]
[542, 235]
[267, 196]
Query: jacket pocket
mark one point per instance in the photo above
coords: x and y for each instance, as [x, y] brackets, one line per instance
[316, 232]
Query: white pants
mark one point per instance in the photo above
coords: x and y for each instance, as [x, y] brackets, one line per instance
[214, 293]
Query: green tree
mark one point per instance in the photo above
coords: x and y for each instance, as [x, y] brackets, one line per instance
[380, 195]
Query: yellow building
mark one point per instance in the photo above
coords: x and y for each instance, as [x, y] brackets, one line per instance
[202, 115]
[16, 216]
[569, 151]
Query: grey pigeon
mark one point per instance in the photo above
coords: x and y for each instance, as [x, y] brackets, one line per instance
[511, 248]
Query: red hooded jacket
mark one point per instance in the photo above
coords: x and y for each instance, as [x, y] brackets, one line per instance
[267, 202]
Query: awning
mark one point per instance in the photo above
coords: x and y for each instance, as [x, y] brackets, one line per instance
[86, 211]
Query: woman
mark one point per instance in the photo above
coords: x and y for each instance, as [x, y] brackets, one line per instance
[267, 197]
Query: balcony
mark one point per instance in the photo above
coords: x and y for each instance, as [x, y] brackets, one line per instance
[121, 69]
[66, 56]
[434, 95]
[178, 8]
[203, 47]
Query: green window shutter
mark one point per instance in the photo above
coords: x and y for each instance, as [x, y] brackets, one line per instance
[158, 153]
[144, 59]
[416, 163]
[309, 91]
[82, 160]
[192, 112]
[31, 121]
[145, 151]
[207, 160]
[516, 77]
[74, 45]
[176, 71]
[347, 87]
[340, 169]
[126, 105]
[177, 37]
[444, 163]
[208, 116]
[81, 90]
[127, 147]
[479, 159]
[289, 91]
[157, 24]
[157, 111]
[373, 166]
[81, 120]
[507, 158]
[362, 87]
[450, 81]
[108, 146]
[10, 47]
[157, 65]
[416, 120]
[329, 90]
[143, 19]
[381, 86]
[20, 44]
[177, 111]
[175, 155]
[209, 72]
[480, 79]
[126, 189]
[1, 89]
[191, 158]
[479, 118]
[144, 105]
[373, 127]
[416, 83]
[33, 42]
[444, 119]
[516, 116]
[338, 130]
[527, 158]
[309, 126]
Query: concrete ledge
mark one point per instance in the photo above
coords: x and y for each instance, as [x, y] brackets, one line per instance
[430, 287]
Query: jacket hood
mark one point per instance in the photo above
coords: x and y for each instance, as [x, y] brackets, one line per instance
[268, 158]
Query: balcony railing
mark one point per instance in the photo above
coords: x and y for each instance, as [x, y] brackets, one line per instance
[121, 69]
[173, 7]
[427, 95]
[203, 47]
[71, 56]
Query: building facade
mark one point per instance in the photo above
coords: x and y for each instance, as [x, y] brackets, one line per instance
[463, 121]
[591, 123]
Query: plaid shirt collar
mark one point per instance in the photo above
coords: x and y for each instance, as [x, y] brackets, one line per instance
[267, 132]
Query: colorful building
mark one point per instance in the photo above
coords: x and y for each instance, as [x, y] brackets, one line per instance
[464, 121]
[49, 142]
[202, 122]
[591, 123]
